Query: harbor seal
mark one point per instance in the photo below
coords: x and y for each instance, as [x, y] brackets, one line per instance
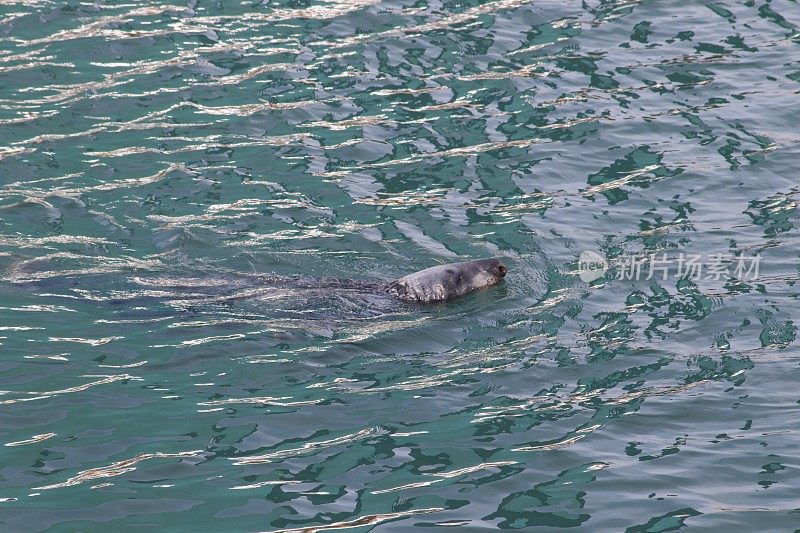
[445, 282]
[143, 293]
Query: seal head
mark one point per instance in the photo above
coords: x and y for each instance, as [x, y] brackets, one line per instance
[445, 282]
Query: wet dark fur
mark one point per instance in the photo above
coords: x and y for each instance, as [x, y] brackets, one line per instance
[445, 282]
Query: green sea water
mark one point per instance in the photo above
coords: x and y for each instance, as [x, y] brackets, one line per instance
[162, 164]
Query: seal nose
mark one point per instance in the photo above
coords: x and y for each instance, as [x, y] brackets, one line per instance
[502, 268]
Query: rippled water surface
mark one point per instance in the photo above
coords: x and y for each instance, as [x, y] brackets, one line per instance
[178, 181]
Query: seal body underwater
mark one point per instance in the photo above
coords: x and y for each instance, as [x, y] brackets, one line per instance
[445, 282]
[160, 294]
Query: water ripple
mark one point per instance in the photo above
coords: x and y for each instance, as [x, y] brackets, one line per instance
[213, 194]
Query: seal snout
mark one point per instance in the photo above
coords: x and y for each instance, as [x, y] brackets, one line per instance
[501, 268]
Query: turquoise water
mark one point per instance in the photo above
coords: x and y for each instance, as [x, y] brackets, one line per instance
[159, 161]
